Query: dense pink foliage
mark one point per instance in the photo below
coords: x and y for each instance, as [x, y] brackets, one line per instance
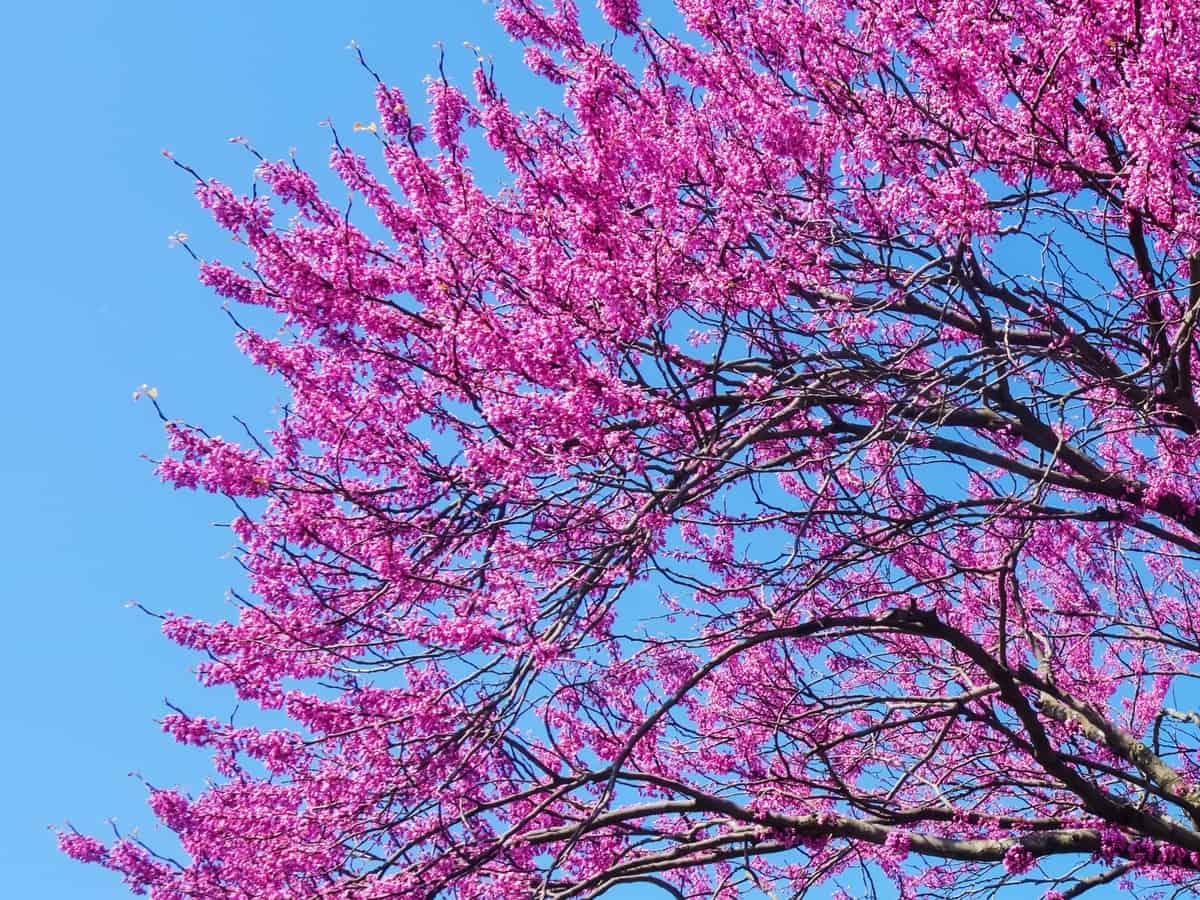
[792, 472]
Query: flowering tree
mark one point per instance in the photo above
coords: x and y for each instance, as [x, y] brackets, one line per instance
[789, 476]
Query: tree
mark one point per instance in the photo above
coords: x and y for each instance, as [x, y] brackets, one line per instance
[787, 477]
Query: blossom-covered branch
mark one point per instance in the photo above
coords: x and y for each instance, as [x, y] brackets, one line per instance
[788, 476]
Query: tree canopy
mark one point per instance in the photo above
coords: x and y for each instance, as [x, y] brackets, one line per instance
[787, 477]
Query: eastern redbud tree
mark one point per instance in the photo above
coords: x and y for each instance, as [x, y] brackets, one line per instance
[788, 476]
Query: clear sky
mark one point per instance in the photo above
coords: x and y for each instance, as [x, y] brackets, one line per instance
[97, 305]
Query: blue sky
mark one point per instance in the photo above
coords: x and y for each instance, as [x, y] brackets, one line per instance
[99, 304]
